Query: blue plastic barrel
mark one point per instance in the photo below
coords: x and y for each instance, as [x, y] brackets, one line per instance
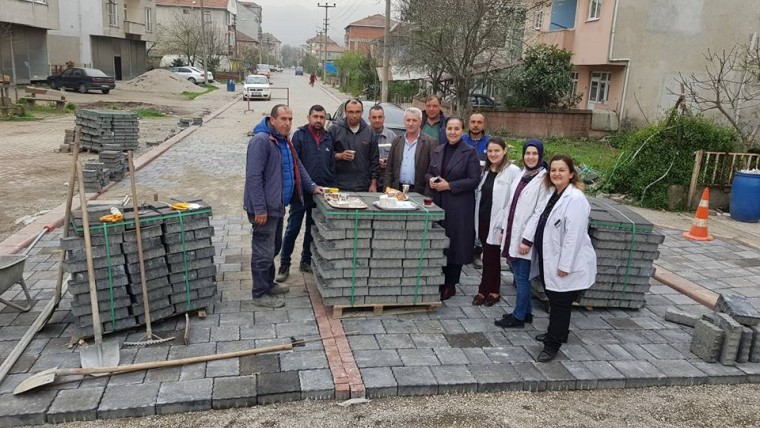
[230, 85]
[745, 197]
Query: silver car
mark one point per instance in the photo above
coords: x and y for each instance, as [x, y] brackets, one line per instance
[190, 73]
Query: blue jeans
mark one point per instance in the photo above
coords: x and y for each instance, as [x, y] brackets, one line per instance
[297, 211]
[521, 272]
[266, 240]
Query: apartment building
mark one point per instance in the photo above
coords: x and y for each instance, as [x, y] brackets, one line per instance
[249, 20]
[628, 53]
[318, 44]
[24, 25]
[366, 35]
[271, 45]
[110, 35]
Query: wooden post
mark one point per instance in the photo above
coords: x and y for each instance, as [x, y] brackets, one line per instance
[694, 177]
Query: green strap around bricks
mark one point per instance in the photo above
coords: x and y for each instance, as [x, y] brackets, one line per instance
[628, 228]
[178, 215]
[358, 213]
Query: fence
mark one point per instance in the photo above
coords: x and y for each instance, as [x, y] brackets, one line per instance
[716, 169]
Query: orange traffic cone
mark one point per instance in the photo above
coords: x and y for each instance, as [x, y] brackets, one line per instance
[698, 230]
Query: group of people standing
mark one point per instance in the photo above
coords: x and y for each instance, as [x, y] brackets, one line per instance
[535, 217]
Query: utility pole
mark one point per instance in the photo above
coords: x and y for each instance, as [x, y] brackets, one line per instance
[386, 53]
[204, 44]
[324, 40]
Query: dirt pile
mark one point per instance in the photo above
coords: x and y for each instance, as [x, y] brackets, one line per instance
[160, 80]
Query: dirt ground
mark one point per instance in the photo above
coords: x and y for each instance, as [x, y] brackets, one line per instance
[33, 175]
[700, 406]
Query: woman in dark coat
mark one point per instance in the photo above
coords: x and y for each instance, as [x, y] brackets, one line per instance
[453, 175]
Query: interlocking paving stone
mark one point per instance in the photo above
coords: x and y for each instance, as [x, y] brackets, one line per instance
[278, 387]
[607, 375]
[622, 323]
[128, 401]
[558, 377]
[222, 368]
[75, 405]
[451, 356]
[467, 340]
[476, 356]
[258, 332]
[225, 333]
[303, 360]
[184, 396]
[618, 352]
[399, 326]
[429, 340]
[577, 353]
[272, 317]
[193, 371]
[236, 391]
[394, 341]
[680, 372]
[298, 330]
[639, 373]
[316, 384]
[27, 409]
[262, 363]
[377, 358]
[584, 377]
[663, 351]
[496, 377]
[418, 357]
[454, 379]
[379, 382]
[508, 354]
[166, 374]
[533, 379]
[415, 381]
[363, 342]
[370, 326]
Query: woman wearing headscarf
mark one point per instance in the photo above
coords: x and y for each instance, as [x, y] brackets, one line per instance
[453, 175]
[564, 258]
[527, 197]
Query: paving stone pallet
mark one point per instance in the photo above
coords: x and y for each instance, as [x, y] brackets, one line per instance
[376, 257]
[108, 127]
[626, 247]
[178, 257]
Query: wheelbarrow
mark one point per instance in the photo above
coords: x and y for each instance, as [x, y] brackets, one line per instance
[12, 273]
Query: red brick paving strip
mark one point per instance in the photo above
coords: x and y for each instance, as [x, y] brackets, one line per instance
[346, 375]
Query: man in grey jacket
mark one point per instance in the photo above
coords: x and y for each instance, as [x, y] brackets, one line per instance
[357, 159]
[273, 177]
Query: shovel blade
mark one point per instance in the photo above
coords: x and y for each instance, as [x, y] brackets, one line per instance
[100, 355]
[45, 377]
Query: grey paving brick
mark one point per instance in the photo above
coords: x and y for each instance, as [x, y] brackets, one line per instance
[166, 374]
[451, 356]
[225, 333]
[316, 384]
[533, 379]
[617, 352]
[236, 391]
[558, 377]
[379, 382]
[418, 357]
[496, 377]
[467, 340]
[298, 330]
[262, 363]
[476, 356]
[630, 336]
[303, 360]
[584, 378]
[273, 317]
[193, 371]
[596, 336]
[75, 405]
[259, 331]
[27, 409]
[399, 326]
[454, 379]
[394, 341]
[680, 372]
[128, 401]
[640, 374]
[184, 396]
[452, 326]
[363, 342]
[222, 368]
[429, 326]
[663, 351]
[576, 352]
[429, 340]
[379, 358]
[415, 381]
[508, 354]
[682, 317]
[720, 374]
[278, 387]
[738, 308]
[134, 378]
[752, 371]
[607, 375]
[370, 326]
[637, 351]
[598, 351]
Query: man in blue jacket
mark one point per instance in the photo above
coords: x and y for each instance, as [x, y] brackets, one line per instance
[314, 148]
[273, 178]
[476, 136]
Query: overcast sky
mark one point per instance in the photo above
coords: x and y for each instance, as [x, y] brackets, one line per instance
[294, 21]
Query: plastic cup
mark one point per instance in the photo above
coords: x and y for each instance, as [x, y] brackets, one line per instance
[427, 201]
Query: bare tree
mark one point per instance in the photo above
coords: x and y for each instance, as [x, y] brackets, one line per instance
[459, 39]
[730, 85]
[6, 38]
[182, 36]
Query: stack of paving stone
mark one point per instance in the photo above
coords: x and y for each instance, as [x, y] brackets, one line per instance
[100, 127]
[374, 255]
[114, 161]
[95, 177]
[68, 140]
[117, 268]
[729, 335]
[626, 247]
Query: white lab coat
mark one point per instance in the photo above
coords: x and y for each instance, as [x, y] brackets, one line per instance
[529, 207]
[566, 244]
[501, 186]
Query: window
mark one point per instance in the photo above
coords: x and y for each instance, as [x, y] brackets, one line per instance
[600, 87]
[538, 21]
[574, 87]
[207, 16]
[113, 14]
[148, 20]
[594, 9]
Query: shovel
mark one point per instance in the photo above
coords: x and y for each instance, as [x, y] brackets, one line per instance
[48, 376]
[99, 354]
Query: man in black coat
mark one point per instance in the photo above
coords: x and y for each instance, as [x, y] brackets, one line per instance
[356, 154]
[409, 157]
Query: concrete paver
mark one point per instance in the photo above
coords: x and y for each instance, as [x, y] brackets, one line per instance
[454, 349]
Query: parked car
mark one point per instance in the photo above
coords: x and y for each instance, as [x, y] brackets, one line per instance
[264, 70]
[480, 100]
[83, 80]
[394, 115]
[299, 70]
[209, 75]
[190, 73]
[256, 86]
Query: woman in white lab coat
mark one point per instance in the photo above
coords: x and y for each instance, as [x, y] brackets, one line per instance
[564, 258]
[515, 231]
[491, 199]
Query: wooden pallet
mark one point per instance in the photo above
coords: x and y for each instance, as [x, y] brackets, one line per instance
[362, 310]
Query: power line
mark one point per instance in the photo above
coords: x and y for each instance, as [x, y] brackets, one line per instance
[324, 39]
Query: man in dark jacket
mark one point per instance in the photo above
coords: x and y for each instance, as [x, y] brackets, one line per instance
[476, 136]
[273, 178]
[314, 148]
[409, 157]
[433, 120]
[357, 159]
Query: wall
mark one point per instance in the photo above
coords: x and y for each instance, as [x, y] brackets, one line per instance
[132, 53]
[362, 39]
[29, 13]
[249, 20]
[665, 37]
[29, 54]
[79, 19]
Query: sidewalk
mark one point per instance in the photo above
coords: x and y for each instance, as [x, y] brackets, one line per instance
[454, 349]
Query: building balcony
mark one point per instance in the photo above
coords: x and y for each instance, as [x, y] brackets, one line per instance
[563, 39]
[136, 28]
